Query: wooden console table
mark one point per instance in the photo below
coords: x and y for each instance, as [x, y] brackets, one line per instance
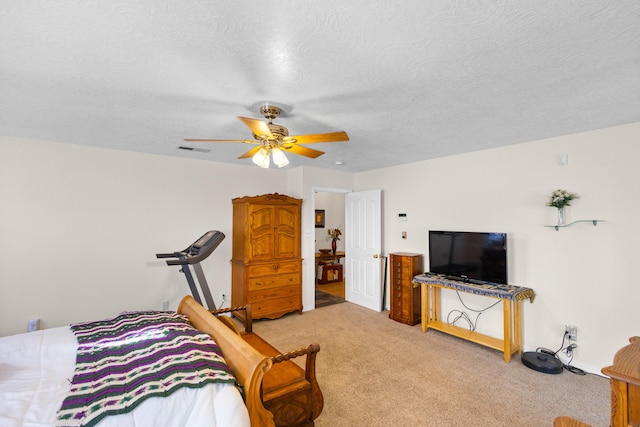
[511, 296]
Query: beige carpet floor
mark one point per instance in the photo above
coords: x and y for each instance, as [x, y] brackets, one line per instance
[374, 371]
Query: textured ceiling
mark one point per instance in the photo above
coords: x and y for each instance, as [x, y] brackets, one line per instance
[406, 80]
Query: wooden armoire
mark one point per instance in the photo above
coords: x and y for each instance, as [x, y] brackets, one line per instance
[266, 268]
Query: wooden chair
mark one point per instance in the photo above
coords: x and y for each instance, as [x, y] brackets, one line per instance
[291, 393]
[624, 379]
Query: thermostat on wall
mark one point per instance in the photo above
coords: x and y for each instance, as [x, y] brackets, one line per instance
[402, 217]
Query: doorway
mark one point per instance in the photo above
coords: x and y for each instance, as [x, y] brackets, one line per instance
[359, 213]
[329, 267]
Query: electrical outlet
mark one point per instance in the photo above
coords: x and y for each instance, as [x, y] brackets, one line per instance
[165, 305]
[33, 325]
[572, 333]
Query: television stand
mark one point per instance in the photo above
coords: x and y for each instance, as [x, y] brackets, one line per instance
[511, 296]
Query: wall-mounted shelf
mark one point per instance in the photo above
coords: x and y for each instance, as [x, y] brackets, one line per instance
[558, 227]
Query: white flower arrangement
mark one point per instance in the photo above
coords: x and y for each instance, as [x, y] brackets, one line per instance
[561, 198]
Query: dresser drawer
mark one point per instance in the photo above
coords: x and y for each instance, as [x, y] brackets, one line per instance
[255, 270]
[276, 307]
[400, 305]
[273, 293]
[267, 282]
[403, 272]
[405, 280]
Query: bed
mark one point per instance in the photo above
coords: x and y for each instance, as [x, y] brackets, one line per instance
[36, 368]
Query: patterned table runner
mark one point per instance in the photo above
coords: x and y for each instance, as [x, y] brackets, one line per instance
[496, 290]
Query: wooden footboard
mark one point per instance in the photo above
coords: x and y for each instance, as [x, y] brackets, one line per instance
[248, 365]
[290, 393]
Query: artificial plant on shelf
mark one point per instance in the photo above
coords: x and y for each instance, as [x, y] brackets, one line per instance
[334, 234]
[559, 199]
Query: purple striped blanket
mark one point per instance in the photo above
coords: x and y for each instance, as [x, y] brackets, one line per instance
[125, 360]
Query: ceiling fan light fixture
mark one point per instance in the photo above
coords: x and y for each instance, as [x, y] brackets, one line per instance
[261, 158]
[279, 158]
[270, 137]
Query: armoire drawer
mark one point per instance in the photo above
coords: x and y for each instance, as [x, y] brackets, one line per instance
[266, 282]
[273, 293]
[255, 270]
[275, 307]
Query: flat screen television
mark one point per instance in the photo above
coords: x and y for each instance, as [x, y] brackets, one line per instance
[473, 256]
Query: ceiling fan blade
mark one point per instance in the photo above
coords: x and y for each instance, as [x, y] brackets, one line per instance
[319, 137]
[246, 141]
[258, 127]
[303, 151]
[251, 152]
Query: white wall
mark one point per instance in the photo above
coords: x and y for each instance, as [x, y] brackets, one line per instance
[80, 228]
[582, 275]
[333, 205]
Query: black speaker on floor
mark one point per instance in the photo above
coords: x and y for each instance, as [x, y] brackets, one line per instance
[542, 362]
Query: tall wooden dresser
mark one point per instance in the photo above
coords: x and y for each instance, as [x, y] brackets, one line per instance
[405, 299]
[266, 266]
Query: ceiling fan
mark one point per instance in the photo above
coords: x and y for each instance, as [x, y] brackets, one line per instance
[273, 139]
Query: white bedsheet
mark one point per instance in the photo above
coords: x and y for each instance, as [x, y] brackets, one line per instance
[35, 369]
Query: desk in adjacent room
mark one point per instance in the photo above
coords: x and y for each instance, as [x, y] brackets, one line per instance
[511, 296]
[328, 258]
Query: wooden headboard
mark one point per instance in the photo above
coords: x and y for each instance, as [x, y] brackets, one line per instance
[247, 363]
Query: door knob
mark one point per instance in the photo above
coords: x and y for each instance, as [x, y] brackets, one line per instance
[376, 256]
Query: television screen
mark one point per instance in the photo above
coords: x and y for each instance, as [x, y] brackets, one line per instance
[469, 255]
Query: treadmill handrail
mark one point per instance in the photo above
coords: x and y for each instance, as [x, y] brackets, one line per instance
[171, 255]
[198, 251]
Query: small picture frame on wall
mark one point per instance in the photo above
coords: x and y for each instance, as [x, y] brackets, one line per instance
[319, 218]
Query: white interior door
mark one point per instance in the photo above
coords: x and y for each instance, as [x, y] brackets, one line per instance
[362, 247]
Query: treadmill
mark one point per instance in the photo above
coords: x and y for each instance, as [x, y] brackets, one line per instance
[191, 257]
